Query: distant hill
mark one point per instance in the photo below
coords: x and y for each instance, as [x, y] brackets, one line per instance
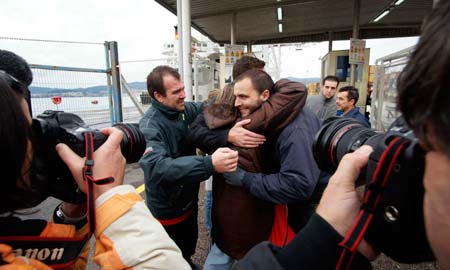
[138, 85]
[304, 80]
[100, 90]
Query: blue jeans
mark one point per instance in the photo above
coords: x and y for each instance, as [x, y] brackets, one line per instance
[208, 206]
[218, 260]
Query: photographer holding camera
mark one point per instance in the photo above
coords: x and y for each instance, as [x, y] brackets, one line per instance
[424, 100]
[127, 235]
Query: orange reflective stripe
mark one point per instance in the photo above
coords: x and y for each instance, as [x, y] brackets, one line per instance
[114, 208]
[58, 230]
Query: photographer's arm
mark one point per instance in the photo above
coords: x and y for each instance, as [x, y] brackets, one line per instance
[335, 215]
[125, 229]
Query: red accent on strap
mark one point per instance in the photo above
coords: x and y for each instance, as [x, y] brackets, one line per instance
[375, 177]
[63, 265]
[173, 221]
[281, 233]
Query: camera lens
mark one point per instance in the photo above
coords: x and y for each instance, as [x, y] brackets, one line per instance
[339, 136]
[133, 142]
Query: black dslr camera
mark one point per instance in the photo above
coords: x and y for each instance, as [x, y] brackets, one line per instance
[49, 175]
[397, 227]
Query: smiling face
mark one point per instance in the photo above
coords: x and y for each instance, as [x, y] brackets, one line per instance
[248, 98]
[175, 95]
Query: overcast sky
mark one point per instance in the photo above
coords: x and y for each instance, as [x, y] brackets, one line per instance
[140, 27]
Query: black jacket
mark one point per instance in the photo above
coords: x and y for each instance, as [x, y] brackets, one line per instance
[314, 248]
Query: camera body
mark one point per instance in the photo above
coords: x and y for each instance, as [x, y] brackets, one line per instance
[49, 175]
[397, 228]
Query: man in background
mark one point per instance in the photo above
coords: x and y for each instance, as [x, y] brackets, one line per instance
[324, 103]
[346, 103]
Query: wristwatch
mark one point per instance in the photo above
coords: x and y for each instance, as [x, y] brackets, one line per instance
[60, 217]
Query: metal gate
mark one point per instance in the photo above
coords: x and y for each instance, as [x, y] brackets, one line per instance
[384, 96]
[71, 81]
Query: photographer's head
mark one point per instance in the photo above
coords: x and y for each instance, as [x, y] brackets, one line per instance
[424, 100]
[423, 87]
[15, 134]
[17, 67]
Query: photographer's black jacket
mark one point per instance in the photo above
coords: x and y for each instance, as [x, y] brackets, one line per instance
[314, 248]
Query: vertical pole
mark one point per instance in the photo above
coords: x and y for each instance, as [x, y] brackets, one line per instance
[233, 29]
[356, 6]
[115, 73]
[249, 47]
[187, 55]
[180, 37]
[222, 72]
[196, 80]
[108, 82]
[330, 41]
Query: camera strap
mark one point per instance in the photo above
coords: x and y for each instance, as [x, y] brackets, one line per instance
[62, 252]
[379, 180]
[90, 181]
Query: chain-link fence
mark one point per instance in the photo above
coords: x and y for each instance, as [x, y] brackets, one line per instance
[74, 77]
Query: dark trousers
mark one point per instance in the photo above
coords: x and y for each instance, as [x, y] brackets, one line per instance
[185, 235]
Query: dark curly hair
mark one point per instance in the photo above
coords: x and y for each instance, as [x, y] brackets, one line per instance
[424, 84]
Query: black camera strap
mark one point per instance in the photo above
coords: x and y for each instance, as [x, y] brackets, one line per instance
[379, 181]
[62, 252]
[90, 181]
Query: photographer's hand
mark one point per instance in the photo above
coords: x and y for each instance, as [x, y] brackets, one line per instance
[340, 203]
[108, 162]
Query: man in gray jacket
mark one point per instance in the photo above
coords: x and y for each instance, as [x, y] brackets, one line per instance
[324, 104]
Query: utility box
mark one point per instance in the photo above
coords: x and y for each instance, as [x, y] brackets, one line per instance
[337, 63]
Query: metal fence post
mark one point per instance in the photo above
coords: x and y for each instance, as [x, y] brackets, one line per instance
[108, 82]
[116, 86]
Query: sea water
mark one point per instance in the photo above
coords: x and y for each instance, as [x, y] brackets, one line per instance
[95, 111]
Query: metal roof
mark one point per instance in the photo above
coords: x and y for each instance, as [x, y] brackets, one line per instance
[303, 20]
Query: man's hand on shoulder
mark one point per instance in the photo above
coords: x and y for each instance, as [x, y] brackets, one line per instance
[224, 160]
[241, 137]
